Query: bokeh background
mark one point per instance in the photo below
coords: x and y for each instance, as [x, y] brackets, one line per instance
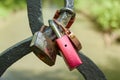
[97, 26]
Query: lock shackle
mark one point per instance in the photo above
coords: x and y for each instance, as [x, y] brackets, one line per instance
[63, 29]
[54, 27]
[69, 4]
[66, 15]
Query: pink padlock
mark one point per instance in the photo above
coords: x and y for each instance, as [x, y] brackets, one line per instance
[68, 52]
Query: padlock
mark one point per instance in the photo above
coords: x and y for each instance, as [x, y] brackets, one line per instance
[44, 48]
[67, 50]
[74, 40]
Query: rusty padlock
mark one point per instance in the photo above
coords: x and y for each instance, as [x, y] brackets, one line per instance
[74, 40]
[70, 17]
[44, 48]
[67, 50]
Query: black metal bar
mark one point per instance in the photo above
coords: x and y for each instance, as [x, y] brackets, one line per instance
[35, 15]
[89, 69]
[16, 52]
[13, 54]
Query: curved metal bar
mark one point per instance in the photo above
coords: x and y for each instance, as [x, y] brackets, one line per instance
[16, 52]
[89, 69]
[13, 54]
[35, 15]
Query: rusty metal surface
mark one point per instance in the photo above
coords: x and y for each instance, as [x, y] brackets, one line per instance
[44, 48]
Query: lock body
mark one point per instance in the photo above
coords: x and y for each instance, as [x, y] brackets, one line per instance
[68, 52]
[44, 48]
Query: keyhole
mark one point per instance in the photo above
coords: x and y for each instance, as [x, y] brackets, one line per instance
[65, 45]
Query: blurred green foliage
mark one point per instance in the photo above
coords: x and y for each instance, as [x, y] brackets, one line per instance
[53, 3]
[13, 4]
[105, 12]
[6, 6]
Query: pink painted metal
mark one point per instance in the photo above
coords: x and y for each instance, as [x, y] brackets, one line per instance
[68, 52]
